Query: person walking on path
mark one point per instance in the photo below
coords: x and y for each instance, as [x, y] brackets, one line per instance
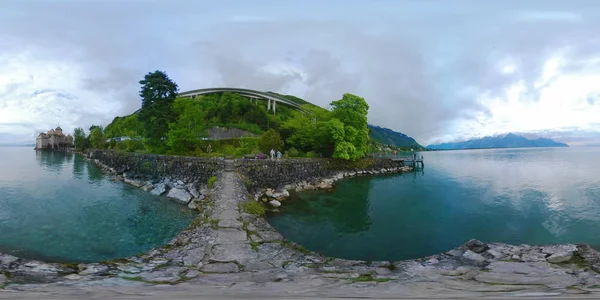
[272, 154]
[278, 154]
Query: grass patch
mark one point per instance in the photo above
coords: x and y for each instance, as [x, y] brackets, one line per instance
[214, 223]
[295, 247]
[115, 261]
[369, 278]
[197, 222]
[211, 181]
[253, 208]
[391, 267]
[254, 245]
[579, 261]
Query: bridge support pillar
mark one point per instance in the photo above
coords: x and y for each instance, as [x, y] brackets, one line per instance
[274, 106]
[268, 105]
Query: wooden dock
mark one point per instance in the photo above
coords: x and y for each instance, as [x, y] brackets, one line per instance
[411, 161]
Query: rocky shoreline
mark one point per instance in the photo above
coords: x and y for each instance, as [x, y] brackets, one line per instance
[227, 246]
[275, 196]
[185, 193]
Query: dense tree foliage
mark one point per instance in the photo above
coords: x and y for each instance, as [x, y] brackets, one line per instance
[181, 125]
[129, 126]
[306, 131]
[270, 140]
[186, 132]
[80, 139]
[97, 139]
[348, 127]
[158, 94]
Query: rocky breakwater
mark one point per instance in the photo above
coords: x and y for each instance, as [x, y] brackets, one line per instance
[272, 180]
[182, 179]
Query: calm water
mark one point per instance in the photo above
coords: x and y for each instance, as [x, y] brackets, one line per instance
[532, 196]
[59, 207]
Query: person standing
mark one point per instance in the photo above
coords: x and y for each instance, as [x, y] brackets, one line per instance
[272, 154]
[278, 154]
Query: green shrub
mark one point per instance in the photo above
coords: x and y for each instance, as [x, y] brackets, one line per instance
[133, 145]
[228, 150]
[239, 152]
[254, 208]
[292, 152]
[211, 181]
[312, 154]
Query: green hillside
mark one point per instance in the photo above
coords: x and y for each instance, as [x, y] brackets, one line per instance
[174, 125]
[387, 136]
[232, 110]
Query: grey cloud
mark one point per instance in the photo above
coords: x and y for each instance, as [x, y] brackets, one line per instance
[419, 64]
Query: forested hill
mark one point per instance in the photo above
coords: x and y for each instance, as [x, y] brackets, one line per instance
[293, 98]
[509, 140]
[387, 136]
[167, 124]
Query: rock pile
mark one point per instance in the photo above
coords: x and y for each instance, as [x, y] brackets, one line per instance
[274, 196]
[184, 187]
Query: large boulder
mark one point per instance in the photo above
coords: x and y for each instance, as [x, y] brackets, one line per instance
[560, 257]
[477, 246]
[193, 191]
[159, 189]
[136, 183]
[180, 195]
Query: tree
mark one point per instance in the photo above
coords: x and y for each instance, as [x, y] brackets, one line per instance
[94, 127]
[80, 139]
[270, 140]
[97, 138]
[158, 94]
[348, 127]
[186, 132]
[124, 126]
[307, 131]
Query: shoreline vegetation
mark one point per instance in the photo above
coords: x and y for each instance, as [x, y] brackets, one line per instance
[172, 125]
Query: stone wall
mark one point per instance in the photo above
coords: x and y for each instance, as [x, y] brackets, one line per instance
[157, 167]
[219, 133]
[274, 173]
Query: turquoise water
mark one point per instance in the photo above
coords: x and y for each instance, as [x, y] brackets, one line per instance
[59, 207]
[533, 196]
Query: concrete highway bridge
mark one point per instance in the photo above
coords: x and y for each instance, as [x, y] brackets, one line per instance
[272, 99]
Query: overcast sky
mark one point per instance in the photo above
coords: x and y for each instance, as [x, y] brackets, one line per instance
[435, 70]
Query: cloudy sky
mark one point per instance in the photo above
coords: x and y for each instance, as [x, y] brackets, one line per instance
[435, 70]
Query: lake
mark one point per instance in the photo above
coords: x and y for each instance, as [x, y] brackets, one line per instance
[530, 196]
[59, 207]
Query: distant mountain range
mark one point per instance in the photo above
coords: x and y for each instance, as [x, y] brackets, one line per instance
[509, 140]
[387, 136]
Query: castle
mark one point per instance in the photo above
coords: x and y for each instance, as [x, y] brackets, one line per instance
[53, 140]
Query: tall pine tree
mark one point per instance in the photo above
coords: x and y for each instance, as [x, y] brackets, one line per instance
[158, 94]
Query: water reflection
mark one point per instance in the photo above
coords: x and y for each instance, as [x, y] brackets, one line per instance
[562, 179]
[79, 165]
[52, 160]
[94, 173]
[533, 196]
